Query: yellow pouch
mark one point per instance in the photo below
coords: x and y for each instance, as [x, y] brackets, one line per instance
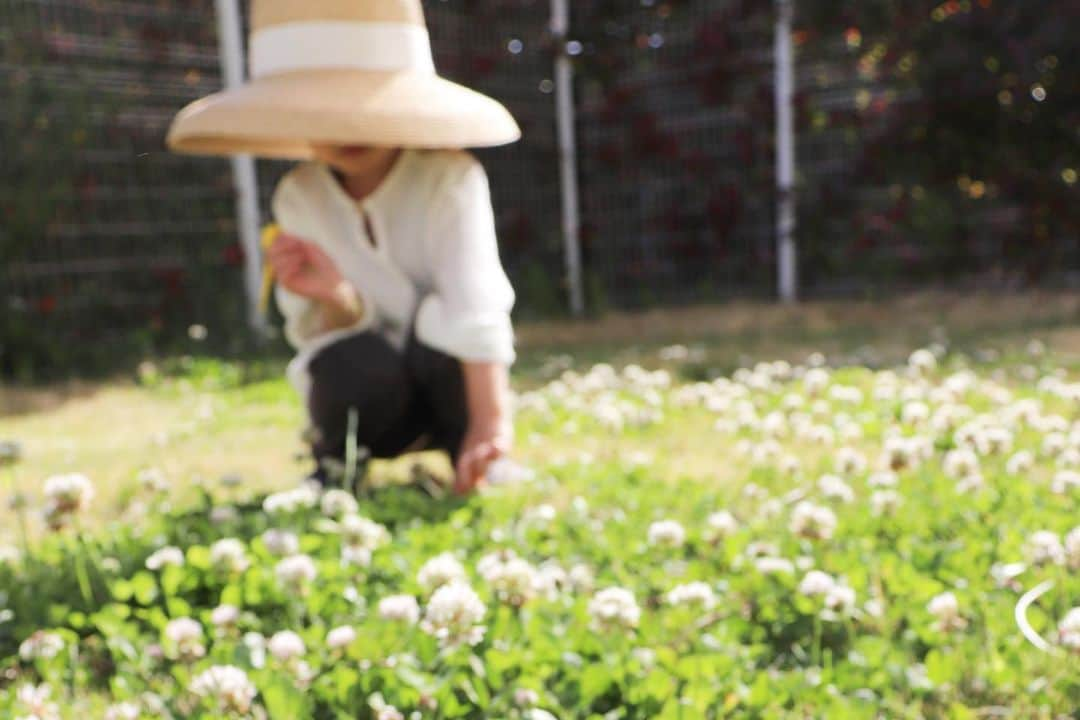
[270, 235]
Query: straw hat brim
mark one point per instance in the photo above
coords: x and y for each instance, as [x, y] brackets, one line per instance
[280, 116]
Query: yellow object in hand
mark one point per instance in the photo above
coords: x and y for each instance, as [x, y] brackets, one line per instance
[270, 234]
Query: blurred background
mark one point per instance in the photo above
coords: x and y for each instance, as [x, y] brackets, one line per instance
[938, 146]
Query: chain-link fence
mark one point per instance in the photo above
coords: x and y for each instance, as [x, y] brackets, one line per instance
[936, 142]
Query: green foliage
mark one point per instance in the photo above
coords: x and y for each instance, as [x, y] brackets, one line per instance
[767, 648]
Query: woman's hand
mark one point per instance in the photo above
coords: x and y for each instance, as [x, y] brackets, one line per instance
[490, 435]
[485, 442]
[303, 268]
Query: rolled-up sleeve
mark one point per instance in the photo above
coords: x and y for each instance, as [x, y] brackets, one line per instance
[468, 313]
[303, 320]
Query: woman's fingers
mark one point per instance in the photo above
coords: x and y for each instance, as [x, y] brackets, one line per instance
[463, 482]
[473, 465]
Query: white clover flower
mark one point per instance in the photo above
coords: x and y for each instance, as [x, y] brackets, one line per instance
[225, 615]
[1045, 548]
[185, 637]
[513, 579]
[967, 436]
[846, 394]
[541, 514]
[227, 687]
[885, 502]
[42, 645]
[286, 646]
[915, 412]
[255, 644]
[695, 593]
[884, 479]
[336, 503]
[1054, 444]
[153, 480]
[1069, 458]
[815, 381]
[359, 531]
[849, 461]
[66, 495]
[840, 599]
[761, 548]
[885, 392]
[771, 508]
[1065, 481]
[816, 582]
[833, 488]
[340, 637]
[1020, 463]
[453, 616]
[400, 608]
[614, 608]
[123, 711]
[764, 453]
[388, 712]
[774, 425]
[946, 611]
[994, 441]
[814, 522]
[288, 502]
[582, 578]
[1005, 574]
[789, 465]
[440, 570]
[947, 417]
[774, 566]
[35, 698]
[719, 525]
[526, 698]
[666, 533]
[1072, 548]
[165, 556]
[221, 514]
[296, 571]
[821, 435]
[1069, 630]
[922, 362]
[355, 555]
[898, 453]
[551, 579]
[970, 484]
[229, 555]
[281, 542]
[961, 463]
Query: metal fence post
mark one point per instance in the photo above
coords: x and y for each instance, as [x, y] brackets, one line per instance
[785, 155]
[231, 47]
[565, 119]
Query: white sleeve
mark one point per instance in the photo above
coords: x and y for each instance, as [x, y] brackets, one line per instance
[303, 320]
[468, 313]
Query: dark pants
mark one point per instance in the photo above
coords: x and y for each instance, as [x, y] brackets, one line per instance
[404, 401]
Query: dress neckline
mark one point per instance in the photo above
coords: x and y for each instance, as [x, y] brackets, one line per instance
[373, 197]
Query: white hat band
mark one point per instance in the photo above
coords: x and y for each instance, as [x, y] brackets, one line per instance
[340, 44]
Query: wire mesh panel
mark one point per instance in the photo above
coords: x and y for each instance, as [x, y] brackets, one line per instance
[502, 48]
[106, 239]
[676, 122]
[938, 144]
[936, 141]
[112, 246]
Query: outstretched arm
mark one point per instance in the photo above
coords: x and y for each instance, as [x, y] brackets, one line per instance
[490, 434]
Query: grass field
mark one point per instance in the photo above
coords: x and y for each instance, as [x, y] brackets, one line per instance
[213, 420]
[719, 524]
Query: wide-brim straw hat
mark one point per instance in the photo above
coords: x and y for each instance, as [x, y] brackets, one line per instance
[344, 72]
